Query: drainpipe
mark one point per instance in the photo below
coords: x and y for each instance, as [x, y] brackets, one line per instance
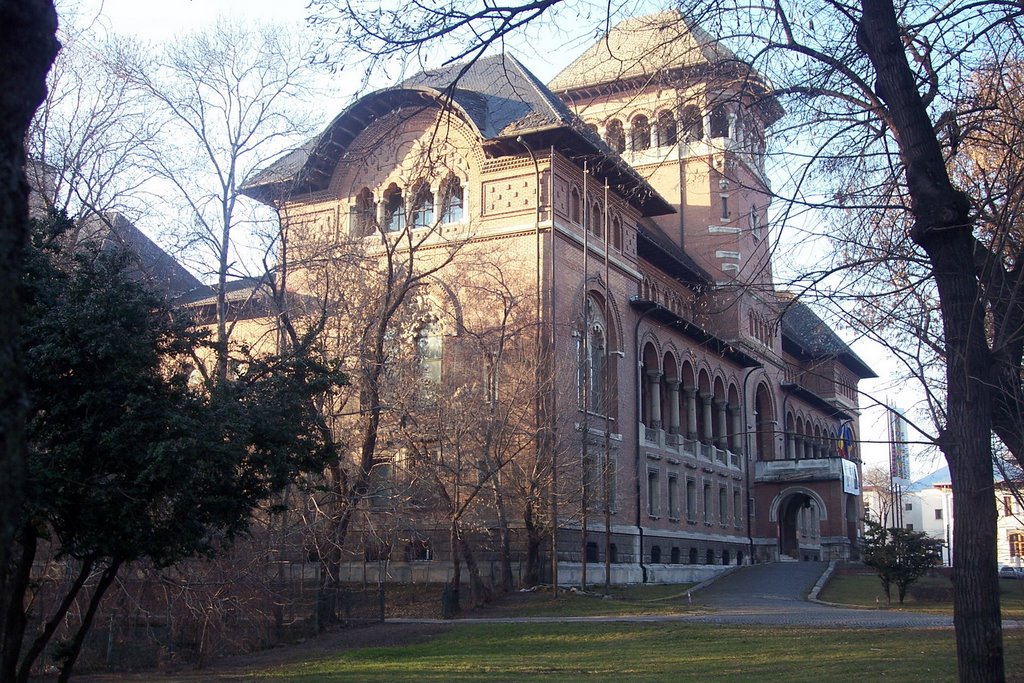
[639, 411]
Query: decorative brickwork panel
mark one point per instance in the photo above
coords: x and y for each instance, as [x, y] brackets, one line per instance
[504, 196]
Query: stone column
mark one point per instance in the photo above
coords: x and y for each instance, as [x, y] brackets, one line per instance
[673, 406]
[654, 382]
[691, 413]
[737, 430]
[721, 424]
[708, 435]
[791, 445]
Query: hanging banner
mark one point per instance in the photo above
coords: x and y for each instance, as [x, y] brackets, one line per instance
[851, 478]
[899, 451]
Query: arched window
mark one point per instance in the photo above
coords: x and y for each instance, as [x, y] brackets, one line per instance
[361, 215]
[394, 209]
[451, 201]
[719, 123]
[617, 233]
[423, 207]
[429, 351]
[592, 346]
[640, 135]
[615, 136]
[692, 124]
[666, 129]
[754, 220]
[575, 210]
[596, 220]
[764, 424]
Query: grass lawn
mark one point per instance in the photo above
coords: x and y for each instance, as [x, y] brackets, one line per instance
[864, 590]
[656, 652]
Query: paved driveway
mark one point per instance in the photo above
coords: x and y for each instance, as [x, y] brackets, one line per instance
[775, 593]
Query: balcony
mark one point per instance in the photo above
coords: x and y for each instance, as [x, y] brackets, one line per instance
[679, 445]
[811, 469]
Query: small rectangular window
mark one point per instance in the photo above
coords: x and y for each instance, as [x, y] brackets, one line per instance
[910, 527]
[673, 496]
[691, 500]
[1007, 506]
[908, 507]
[707, 502]
[725, 207]
[652, 493]
[938, 513]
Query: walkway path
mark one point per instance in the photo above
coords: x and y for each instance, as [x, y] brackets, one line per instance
[765, 594]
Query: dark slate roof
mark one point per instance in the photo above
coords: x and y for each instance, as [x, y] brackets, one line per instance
[654, 246]
[805, 335]
[497, 96]
[155, 265]
[242, 289]
[498, 93]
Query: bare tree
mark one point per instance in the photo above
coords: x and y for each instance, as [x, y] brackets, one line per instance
[878, 481]
[88, 139]
[226, 100]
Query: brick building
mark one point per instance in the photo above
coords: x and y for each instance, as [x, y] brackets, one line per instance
[692, 415]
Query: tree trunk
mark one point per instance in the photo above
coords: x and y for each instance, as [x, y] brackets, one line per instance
[27, 32]
[51, 626]
[504, 543]
[943, 228]
[478, 592]
[456, 582]
[106, 579]
[534, 540]
[14, 616]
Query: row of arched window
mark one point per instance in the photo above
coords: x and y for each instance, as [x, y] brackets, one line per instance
[420, 206]
[651, 291]
[639, 132]
[807, 439]
[688, 403]
[665, 129]
[594, 219]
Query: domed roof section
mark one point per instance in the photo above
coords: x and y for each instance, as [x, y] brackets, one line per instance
[642, 47]
[499, 94]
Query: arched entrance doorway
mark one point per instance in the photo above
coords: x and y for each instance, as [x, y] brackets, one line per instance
[789, 524]
[799, 513]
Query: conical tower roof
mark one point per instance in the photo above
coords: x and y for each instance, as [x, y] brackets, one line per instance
[641, 47]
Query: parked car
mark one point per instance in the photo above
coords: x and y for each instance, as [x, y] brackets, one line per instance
[1008, 572]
